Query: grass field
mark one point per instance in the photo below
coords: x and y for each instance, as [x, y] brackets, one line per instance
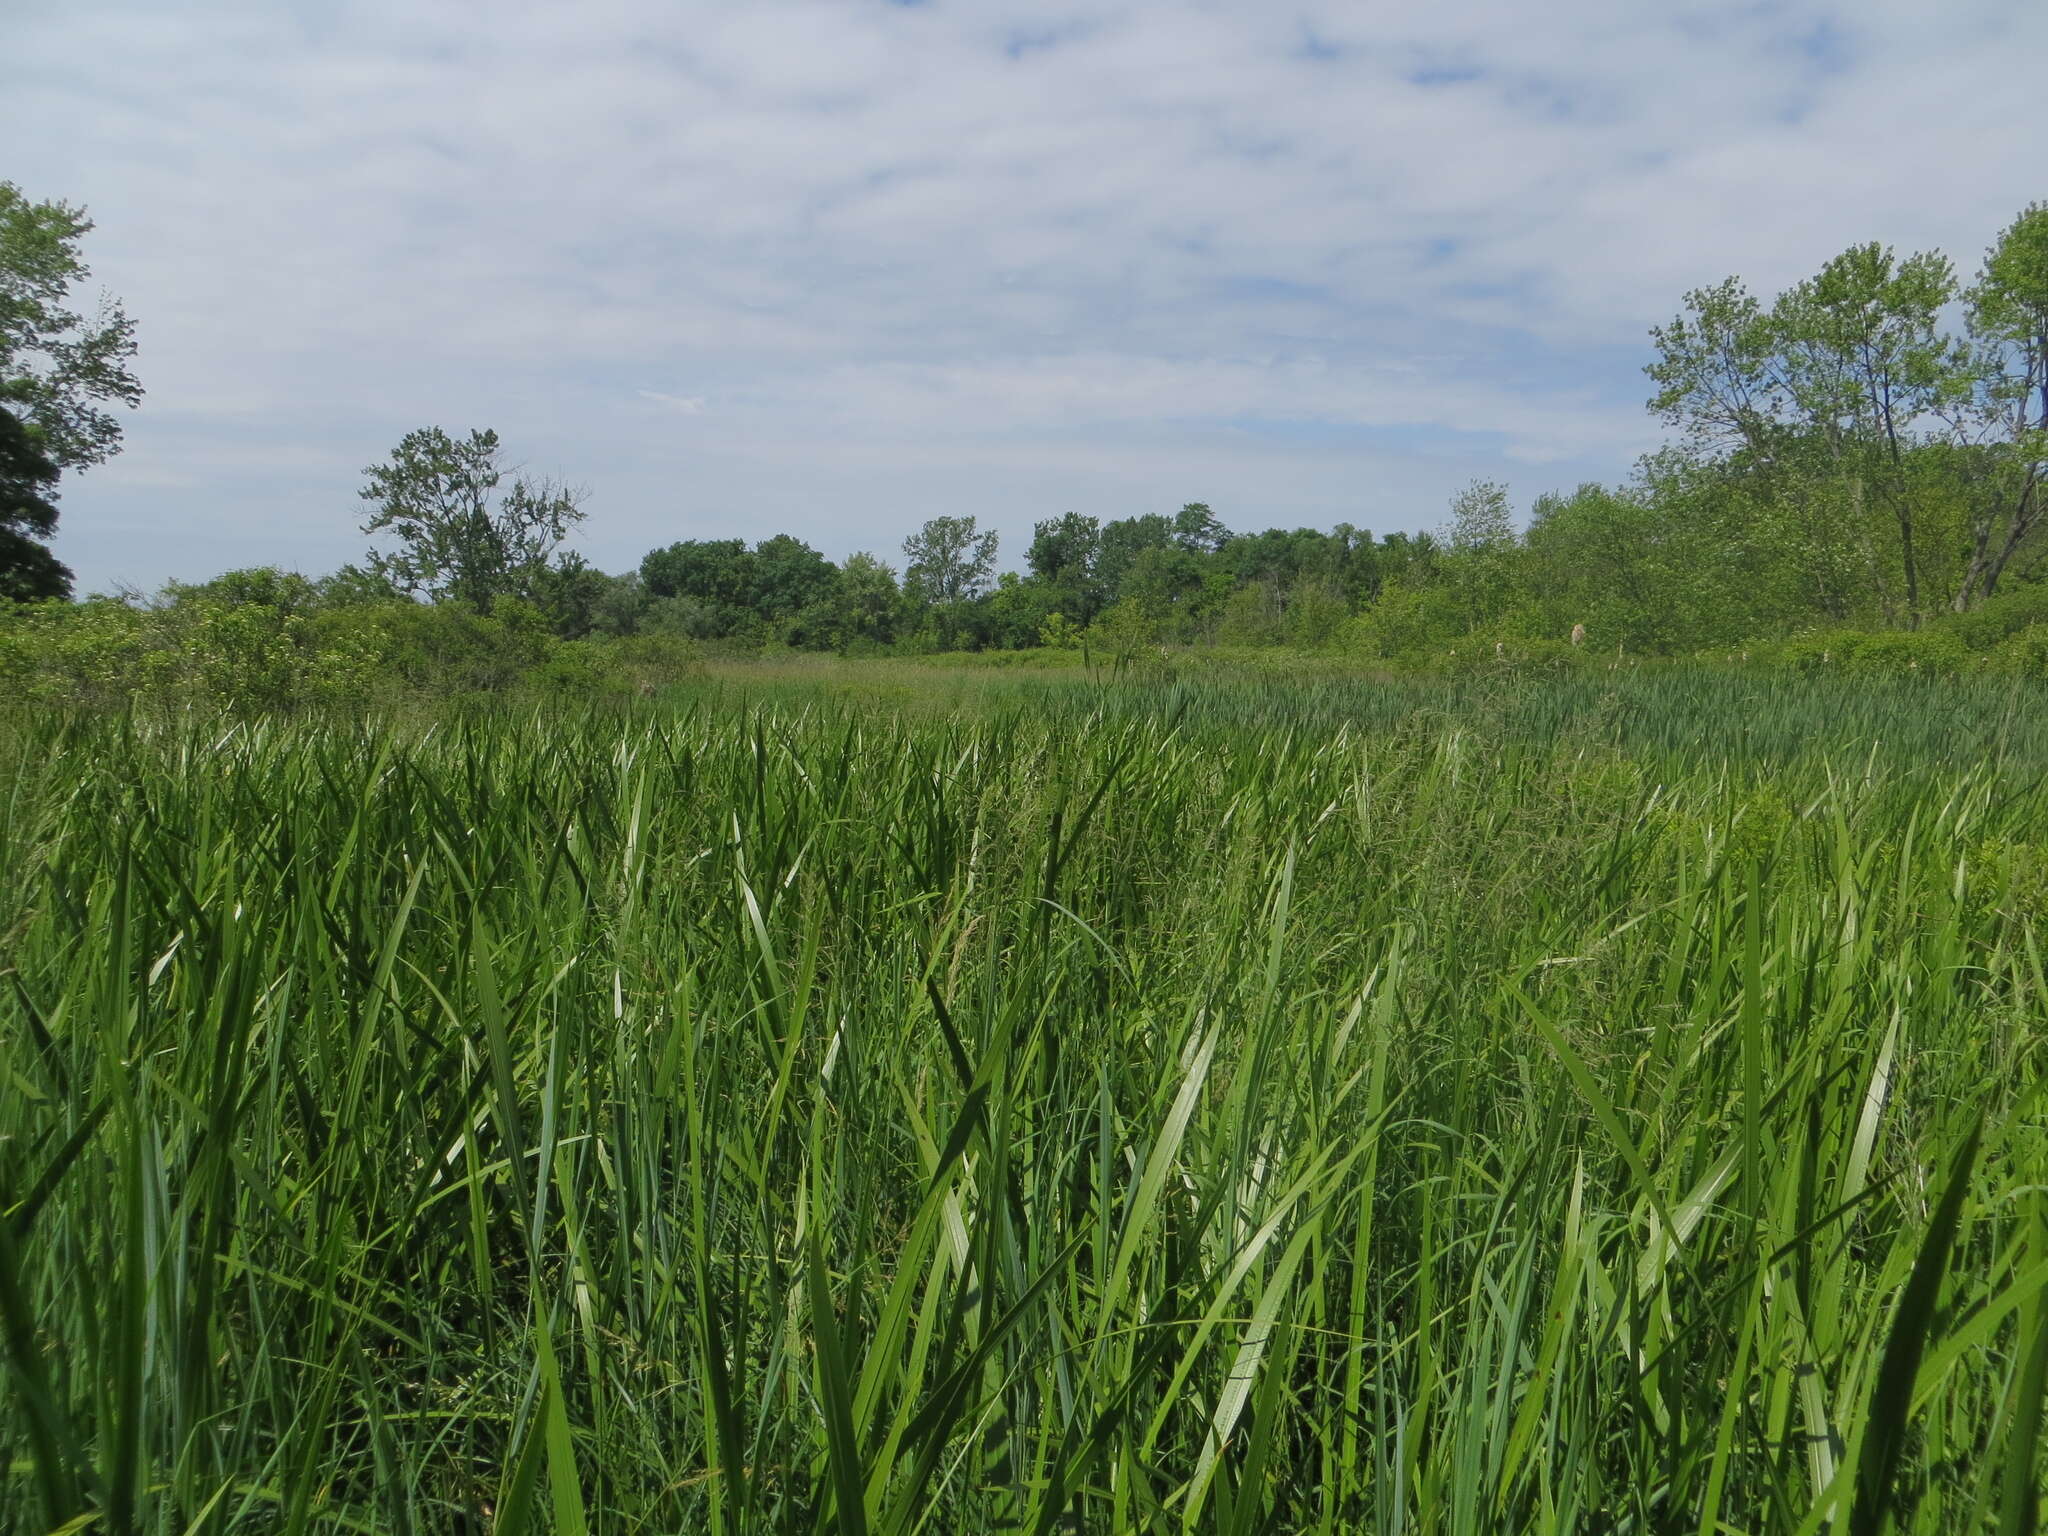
[896, 1099]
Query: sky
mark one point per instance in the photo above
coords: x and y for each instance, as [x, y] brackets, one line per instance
[832, 267]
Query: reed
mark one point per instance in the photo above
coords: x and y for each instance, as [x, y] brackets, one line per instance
[856, 1103]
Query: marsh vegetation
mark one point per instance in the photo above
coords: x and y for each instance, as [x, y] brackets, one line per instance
[877, 1101]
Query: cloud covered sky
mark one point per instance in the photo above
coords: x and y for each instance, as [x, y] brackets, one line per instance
[832, 267]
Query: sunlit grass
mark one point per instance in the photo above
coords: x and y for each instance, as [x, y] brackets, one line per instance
[896, 1099]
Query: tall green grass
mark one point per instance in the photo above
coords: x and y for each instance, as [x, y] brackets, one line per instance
[1604, 1105]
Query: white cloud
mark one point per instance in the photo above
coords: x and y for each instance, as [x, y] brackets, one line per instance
[1007, 258]
[684, 405]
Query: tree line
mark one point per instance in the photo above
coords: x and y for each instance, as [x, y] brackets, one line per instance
[1861, 453]
[456, 526]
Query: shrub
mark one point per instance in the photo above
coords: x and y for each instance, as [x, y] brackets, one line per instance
[1409, 622]
[1890, 652]
[2023, 653]
[1997, 619]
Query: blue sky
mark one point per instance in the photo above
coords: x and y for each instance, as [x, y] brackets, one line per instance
[832, 267]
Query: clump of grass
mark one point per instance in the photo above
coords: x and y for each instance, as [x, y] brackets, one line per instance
[1456, 1107]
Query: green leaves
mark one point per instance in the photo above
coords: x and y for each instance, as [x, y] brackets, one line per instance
[459, 538]
[58, 365]
[1887, 1416]
[58, 368]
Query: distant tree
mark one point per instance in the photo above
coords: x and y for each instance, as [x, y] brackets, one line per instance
[948, 562]
[1714, 372]
[1198, 530]
[1866, 358]
[621, 607]
[1283, 556]
[1167, 585]
[1355, 563]
[1409, 620]
[1122, 542]
[691, 616]
[1316, 609]
[572, 594]
[1063, 549]
[790, 576]
[59, 368]
[1124, 633]
[1253, 614]
[1062, 559]
[460, 539]
[1019, 606]
[1059, 633]
[258, 586]
[1481, 518]
[1632, 569]
[716, 588]
[1481, 536]
[710, 570]
[1406, 559]
[867, 602]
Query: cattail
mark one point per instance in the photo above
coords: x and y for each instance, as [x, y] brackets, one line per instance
[1578, 634]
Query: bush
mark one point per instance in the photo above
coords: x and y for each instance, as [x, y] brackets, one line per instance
[1991, 623]
[1890, 652]
[642, 663]
[1410, 623]
[1316, 614]
[91, 653]
[2022, 654]
[268, 640]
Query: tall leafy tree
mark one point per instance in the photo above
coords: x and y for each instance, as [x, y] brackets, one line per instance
[719, 587]
[1481, 518]
[461, 538]
[1721, 381]
[2008, 313]
[790, 576]
[578, 599]
[1481, 536]
[1284, 556]
[948, 561]
[1062, 559]
[1865, 359]
[1198, 530]
[1167, 583]
[717, 571]
[60, 368]
[64, 365]
[1063, 549]
[1821, 400]
[1122, 542]
[867, 602]
[1714, 372]
[28, 514]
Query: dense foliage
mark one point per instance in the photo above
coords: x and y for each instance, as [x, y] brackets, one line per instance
[1604, 1104]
